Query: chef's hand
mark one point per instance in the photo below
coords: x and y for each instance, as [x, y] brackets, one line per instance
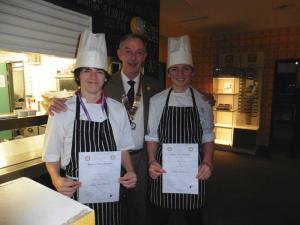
[204, 171]
[66, 186]
[57, 105]
[155, 169]
[209, 98]
[129, 179]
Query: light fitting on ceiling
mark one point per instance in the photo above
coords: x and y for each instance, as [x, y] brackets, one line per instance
[188, 2]
[193, 19]
[280, 5]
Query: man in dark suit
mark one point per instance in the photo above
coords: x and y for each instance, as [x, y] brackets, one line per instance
[130, 81]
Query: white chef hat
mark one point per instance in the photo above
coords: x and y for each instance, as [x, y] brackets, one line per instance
[92, 51]
[179, 51]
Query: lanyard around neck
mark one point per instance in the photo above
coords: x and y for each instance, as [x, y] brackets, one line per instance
[102, 103]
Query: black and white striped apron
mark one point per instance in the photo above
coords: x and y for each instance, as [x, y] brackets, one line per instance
[89, 136]
[178, 125]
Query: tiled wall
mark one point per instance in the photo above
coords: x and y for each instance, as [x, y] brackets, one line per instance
[283, 43]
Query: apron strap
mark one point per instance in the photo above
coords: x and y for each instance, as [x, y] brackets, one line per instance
[193, 97]
[77, 114]
[105, 107]
[168, 97]
[192, 93]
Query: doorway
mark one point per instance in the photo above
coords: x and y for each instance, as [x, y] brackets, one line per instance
[12, 92]
[285, 108]
[5, 100]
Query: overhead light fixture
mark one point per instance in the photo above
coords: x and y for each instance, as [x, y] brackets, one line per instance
[193, 19]
[280, 5]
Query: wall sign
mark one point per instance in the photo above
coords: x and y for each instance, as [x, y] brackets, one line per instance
[2, 81]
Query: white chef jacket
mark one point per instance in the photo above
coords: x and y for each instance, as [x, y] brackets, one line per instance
[59, 131]
[139, 132]
[183, 99]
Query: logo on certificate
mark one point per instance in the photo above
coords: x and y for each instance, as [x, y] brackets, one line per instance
[87, 158]
[113, 157]
[169, 148]
[190, 149]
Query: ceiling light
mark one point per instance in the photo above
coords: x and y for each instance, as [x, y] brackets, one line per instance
[280, 4]
[280, 7]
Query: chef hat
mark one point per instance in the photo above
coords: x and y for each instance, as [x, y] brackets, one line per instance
[179, 51]
[92, 51]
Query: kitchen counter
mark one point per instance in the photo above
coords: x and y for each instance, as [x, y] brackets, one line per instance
[14, 123]
[21, 157]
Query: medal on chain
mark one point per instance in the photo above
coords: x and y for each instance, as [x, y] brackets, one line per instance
[131, 110]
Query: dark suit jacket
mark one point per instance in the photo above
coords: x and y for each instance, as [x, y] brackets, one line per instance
[150, 87]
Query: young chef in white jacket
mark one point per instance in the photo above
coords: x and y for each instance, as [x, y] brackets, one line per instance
[179, 115]
[93, 123]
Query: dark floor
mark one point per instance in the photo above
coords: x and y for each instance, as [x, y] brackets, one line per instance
[252, 190]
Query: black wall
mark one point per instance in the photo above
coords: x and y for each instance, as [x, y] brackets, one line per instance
[113, 17]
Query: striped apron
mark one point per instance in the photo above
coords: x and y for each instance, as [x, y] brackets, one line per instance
[89, 136]
[178, 125]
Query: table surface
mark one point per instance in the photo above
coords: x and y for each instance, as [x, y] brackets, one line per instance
[20, 154]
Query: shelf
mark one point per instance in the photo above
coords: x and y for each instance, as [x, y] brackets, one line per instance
[244, 151]
[223, 142]
[224, 125]
[246, 127]
[222, 110]
[235, 110]
[14, 123]
[226, 91]
[222, 93]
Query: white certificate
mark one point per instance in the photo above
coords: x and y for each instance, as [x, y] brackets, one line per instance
[99, 174]
[181, 164]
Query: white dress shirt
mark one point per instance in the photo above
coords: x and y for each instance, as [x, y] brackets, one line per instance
[59, 131]
[183, 99]
[138, 133]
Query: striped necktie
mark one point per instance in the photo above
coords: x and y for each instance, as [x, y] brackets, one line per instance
[130, 93]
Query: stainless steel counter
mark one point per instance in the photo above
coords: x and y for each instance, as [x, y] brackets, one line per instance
[14, 123]
[22, 157]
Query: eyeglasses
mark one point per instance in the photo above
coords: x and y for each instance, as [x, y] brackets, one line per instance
[185, 70]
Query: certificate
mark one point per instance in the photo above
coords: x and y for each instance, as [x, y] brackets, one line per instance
[99, 174]
[181, 164]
